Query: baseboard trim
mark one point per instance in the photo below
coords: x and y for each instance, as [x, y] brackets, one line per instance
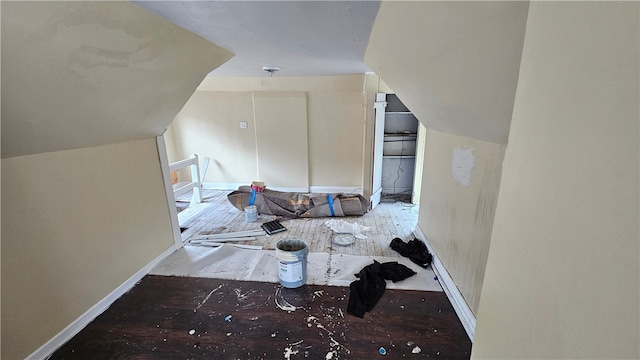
[78, 324]
[336, 189]
[458, 302]
[313, 189]
[223, 186]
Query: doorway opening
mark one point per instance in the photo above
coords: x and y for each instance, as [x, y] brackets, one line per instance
[398, 152]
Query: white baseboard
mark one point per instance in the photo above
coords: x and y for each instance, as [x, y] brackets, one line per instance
[223, 186]
[304, 190]
[78, 324]
[336, 189]
[458, 302]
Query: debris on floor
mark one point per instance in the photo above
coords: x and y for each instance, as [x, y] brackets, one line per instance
[161, 321]
[346, 227]
[281, 303]
[229, 237]
[273, 227]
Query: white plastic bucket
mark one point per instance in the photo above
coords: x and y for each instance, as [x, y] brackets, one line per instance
[251, 213]
[292, 262]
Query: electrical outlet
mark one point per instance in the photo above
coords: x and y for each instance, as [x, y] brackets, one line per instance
[243, 125]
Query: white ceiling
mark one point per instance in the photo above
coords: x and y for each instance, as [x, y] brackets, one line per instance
[302, 37]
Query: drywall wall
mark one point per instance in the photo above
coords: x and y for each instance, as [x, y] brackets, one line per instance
[563, 271]
[87, 86]
[456, 217]
[335, 110]
[209, 125]
[89, 73]
[454, 64]
[282, 141]
[76, 224]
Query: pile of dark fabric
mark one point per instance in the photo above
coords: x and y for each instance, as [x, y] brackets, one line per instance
[371, 283]
[415, 250]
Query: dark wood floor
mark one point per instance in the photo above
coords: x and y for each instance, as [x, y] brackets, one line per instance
[197, 318]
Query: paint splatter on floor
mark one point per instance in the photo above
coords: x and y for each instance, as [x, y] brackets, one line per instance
[156, 319]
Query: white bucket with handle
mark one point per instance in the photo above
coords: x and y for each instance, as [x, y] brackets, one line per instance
[292, 262]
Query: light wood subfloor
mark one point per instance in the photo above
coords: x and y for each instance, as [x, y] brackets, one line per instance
[388, 220]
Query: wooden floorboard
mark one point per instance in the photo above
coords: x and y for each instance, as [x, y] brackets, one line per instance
[165, 317]
[388, 220]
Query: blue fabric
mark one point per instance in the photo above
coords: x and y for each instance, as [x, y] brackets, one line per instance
[252, 199]
[330, 201]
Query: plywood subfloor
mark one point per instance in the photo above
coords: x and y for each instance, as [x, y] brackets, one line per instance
[387, 221]
[166, 317]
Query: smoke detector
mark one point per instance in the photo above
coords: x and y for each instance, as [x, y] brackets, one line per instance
[271, 69]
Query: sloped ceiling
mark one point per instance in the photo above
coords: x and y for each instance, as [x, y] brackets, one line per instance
[454, 64]
[303, 37]
[80, 74]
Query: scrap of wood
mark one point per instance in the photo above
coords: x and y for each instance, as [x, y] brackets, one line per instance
[241, 246]
[196, 239]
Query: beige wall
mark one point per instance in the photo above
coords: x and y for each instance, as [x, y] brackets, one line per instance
[457, 219]
[209, 125]
[454, 64]
[563, 271]
[282, 141]
[105, 71]
[76, 224]
[82, 216]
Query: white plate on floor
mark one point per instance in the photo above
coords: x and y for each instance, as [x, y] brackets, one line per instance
[344, 239]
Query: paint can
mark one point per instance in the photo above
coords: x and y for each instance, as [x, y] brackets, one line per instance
[251, 213]
[292, 262]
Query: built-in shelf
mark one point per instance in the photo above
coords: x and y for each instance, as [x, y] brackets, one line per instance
[398, 113]
[400, 135]
[398, 147]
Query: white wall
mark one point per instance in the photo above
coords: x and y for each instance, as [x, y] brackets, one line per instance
[76, 224]
[457, 215]
[562, 278]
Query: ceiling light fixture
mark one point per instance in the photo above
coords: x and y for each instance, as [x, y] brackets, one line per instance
[271, 69]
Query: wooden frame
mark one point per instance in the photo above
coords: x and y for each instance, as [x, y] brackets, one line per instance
[168, 187]
[196, 182]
